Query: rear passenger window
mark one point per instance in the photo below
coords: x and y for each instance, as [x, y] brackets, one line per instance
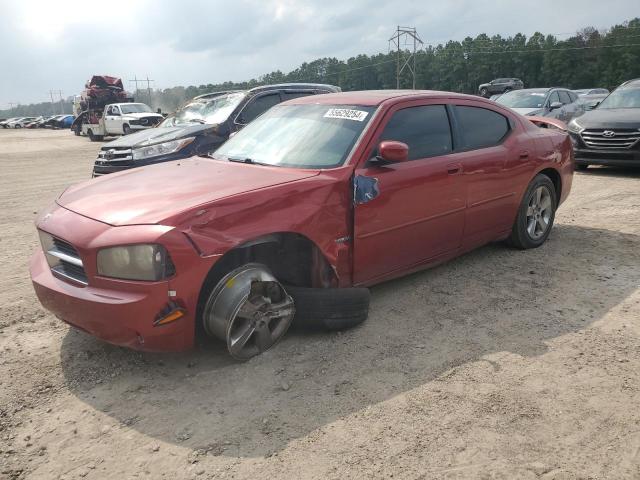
[481, 127]
[424, 129]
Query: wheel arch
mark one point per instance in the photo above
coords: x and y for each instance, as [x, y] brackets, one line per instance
[292, 257]
[555, 178]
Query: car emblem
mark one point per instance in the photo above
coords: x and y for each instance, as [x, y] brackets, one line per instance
[110, 155]
[608, 134]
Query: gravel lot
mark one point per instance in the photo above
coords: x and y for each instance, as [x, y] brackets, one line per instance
[500, 364]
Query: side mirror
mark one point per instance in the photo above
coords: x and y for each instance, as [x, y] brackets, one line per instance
[392, 151]
[555, 106]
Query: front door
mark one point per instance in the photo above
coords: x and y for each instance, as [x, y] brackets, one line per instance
[113, 119]
[407, 213]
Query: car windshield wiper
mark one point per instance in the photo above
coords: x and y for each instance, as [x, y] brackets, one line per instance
[247, 160]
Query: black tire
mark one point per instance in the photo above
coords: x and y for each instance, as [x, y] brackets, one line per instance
[126, 129]
[329, 308]
[18, 126]
[582, 166]
[520, 236]
[483, 92]
[94, 138]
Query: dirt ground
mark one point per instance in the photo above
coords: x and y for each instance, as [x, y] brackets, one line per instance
[501, 364]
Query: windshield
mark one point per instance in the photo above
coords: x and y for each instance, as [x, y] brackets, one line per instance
[523, 99]
[301, 136]
[622, 98]
[135, 108]
[216, 110]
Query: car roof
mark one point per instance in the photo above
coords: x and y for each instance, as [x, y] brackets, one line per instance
[635, 83]
[371, 98]
[295, 86]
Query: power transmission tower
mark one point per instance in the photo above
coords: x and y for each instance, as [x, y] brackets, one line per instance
[405, 57]
[11, 104]
[142, 80]
[57, 92]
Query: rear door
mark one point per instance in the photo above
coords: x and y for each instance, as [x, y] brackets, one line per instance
[413, 211]
[489, 145]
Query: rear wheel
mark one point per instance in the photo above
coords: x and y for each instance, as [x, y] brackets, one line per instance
[93, 137]
[483, 92]
[536, 214]
[249, 310]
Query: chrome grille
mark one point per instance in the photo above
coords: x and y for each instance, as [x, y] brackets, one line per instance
[610, 138]
[114, 154]
[63, 259]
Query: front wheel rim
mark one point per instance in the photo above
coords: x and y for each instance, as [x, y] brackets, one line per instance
[539, 212]
[250, 310]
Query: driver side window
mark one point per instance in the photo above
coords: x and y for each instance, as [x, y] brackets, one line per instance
[553, 98]
[257, 106]
[424, 129]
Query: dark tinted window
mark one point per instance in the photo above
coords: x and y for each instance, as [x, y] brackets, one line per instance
[564, 97]
[291, 95]
[573, 96]
[554, 97]
[425, 129]
[258, 106]
[481, 127]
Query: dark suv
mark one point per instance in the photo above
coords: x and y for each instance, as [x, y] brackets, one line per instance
[500, 85]
[199, 127]
[610, 133]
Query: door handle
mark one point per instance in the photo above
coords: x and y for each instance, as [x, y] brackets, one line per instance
[524, 155]
[454, 168]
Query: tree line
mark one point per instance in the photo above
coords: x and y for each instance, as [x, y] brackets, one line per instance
[590, 58]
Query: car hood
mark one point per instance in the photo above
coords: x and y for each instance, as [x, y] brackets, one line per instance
[610, 118]
[142, 115]
[158, 135]
[151, 194]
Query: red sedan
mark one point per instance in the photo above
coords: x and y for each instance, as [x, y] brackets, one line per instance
[295, 216]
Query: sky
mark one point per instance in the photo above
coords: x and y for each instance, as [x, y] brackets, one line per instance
[57, 45]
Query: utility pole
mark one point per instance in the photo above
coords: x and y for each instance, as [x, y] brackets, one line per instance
[11, 104]
[135, 80]
[405, 37]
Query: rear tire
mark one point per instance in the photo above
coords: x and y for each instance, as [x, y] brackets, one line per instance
[329, 308]
[536, 214]
[582, 166]
[483, 92]
[94, 138]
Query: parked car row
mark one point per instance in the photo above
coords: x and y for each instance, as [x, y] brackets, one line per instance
[55, 121]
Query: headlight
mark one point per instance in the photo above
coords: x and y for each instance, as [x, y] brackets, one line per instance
[161, 148]
[574, 126]
[135, 262]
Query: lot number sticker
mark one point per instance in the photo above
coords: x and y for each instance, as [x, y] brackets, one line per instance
[346, 113]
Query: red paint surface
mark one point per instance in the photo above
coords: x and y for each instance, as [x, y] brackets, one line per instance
[427, 211]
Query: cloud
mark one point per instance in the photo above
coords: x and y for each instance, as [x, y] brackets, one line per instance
[49, 46]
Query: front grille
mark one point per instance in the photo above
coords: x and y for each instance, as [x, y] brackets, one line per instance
[63, 258]
[112, 160]
[115, 154]
[622, 138]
